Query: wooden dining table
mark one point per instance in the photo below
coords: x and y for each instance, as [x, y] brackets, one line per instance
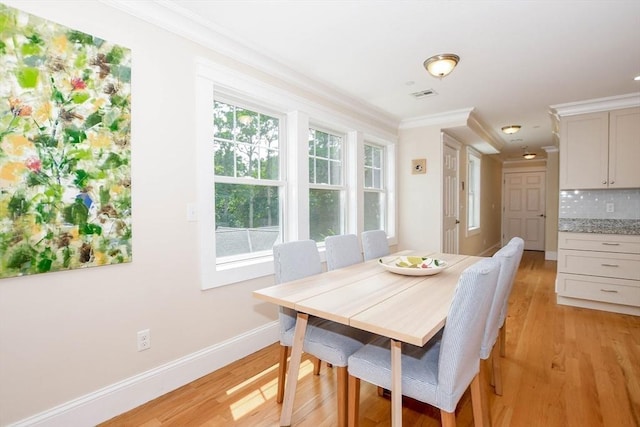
[404, 308]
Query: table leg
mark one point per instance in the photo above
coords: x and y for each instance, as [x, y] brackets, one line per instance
[396, 383]
[294, 367]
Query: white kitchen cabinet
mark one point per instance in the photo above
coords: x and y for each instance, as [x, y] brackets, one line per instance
[600, 271]
[600, 150]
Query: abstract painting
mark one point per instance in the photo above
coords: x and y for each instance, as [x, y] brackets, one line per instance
[65, 152]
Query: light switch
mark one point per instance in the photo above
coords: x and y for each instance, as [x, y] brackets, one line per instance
[192, 212]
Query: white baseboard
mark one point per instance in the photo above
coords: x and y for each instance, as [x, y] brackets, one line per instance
[104, 404]
[550, 256]
[490, 251]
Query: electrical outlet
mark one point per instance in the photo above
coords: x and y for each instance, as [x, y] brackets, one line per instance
[144, 340]
[609, 207]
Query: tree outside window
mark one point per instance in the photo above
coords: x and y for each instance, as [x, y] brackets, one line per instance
[326, 185]
[247, 175]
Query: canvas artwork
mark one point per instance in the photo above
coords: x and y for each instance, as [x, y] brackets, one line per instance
[65, 118]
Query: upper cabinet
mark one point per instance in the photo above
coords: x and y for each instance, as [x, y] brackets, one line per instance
[600, 150]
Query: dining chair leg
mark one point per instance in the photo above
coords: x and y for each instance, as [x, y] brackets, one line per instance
[448, 418]
[353, 410]
[479, 402]
[282, 372]
[317, 364]
[496, 372]
[503, 339]
[342, 394]
[493, 374]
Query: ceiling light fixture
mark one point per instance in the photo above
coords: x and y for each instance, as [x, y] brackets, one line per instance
[511, 129]
[527, 155]
[441, 65]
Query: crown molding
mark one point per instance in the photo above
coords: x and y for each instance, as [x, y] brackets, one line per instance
[484, 132]
[458, 117]
[169, 15]
[463, 125]
[596, 105]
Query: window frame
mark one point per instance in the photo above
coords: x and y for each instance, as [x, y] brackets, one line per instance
[342, 187]
[474, 186]
[382, 189]
[281, 182]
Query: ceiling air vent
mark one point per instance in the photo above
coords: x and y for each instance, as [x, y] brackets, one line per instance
[424, 93]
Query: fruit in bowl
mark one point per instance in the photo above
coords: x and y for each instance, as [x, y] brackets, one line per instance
[418, 262]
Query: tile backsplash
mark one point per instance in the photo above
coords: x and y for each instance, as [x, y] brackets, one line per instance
[600, 204]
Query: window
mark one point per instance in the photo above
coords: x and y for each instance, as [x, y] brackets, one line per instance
[473, 190]
[326, 184]
[268, 172]
[247, 181]
[374, 193]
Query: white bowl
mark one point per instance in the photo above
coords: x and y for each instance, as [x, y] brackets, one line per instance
[410, 266]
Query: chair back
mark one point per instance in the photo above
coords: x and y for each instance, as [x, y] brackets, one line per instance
[291, 261]
[295, 260]
[518, 242]
[374, 244]
[459, 358]
[508, 257]
[342, 251]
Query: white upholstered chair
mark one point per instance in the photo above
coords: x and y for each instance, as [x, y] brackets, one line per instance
[374, 244]
[325, 340]
[342, 251]
[519, 243]
[509, 258]
[441, 371]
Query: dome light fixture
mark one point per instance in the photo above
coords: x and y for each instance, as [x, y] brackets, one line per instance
[527, 155]
[441, 65]
[511, 129]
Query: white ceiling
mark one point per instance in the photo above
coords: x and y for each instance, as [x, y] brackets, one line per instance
[517, 57]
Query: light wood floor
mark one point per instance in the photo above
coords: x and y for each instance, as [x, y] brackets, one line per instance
[565, 366]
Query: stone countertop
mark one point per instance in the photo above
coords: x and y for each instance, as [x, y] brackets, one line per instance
[599, 226]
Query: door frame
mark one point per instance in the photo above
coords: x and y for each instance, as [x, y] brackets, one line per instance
[523, 169]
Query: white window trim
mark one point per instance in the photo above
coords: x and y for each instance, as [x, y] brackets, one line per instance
[234, 261]
[383, 190]
[342, 188]
[472, 231]
[213, 77]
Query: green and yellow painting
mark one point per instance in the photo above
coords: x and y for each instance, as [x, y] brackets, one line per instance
[65, 176]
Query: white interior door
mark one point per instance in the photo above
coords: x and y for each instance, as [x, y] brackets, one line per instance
[451, 222]
[524, 208]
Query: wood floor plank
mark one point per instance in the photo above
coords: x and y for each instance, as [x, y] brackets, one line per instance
[564, 366]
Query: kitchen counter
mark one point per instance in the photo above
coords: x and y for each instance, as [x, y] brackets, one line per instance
[599, 226]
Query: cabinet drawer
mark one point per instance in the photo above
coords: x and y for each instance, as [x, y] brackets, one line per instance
[618, 243]
[621, 266]
[614, 291]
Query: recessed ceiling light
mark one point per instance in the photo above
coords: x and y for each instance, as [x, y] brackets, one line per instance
[636, 78]
[511, 129]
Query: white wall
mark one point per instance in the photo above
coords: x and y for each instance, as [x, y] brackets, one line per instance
[488, 238]
[66, 335]
[420, 195]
